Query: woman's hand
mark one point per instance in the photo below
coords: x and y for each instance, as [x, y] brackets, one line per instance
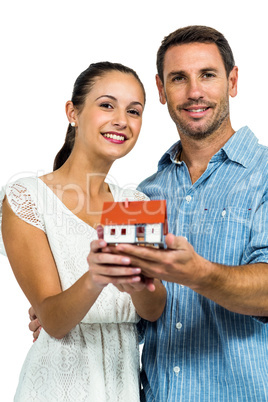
[105, 268]
[128, 284]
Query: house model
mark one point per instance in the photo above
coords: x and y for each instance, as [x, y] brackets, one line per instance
[137, 222]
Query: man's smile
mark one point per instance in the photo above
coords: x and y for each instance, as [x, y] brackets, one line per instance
[196, 111]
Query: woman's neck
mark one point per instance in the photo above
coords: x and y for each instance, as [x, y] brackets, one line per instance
[86, 172]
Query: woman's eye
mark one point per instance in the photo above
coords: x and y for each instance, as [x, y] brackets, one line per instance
[134, 111]
[106, 105]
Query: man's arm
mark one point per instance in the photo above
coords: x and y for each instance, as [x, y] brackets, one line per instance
[241, 289]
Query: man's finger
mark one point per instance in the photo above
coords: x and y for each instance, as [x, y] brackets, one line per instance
[149, 283]
[31, 313]
[176, 242]
[34, 325]
[144, 253]
[36, 333]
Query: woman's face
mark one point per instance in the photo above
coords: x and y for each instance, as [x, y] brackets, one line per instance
[110, 122]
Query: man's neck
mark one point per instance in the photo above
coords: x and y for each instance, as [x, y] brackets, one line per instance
[197, 153]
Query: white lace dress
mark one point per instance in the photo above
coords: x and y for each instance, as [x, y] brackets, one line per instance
[98, 360]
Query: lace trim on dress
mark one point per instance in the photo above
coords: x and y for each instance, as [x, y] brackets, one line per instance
[121, 194]
[140, 196]
[22, 204]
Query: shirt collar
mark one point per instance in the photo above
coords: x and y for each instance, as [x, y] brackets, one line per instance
[240, 148]
[170, 155]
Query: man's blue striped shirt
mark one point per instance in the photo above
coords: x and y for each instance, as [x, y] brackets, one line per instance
[198, 350]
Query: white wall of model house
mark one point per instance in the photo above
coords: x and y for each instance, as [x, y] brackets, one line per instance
[153, 233]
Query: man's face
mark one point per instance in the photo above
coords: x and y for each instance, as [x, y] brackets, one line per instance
[196, 88]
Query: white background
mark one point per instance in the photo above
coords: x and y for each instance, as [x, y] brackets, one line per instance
[44, 47]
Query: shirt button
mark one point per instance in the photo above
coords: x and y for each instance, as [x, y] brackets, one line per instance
[176, 370]
[188, 198]
[223, 213]
[178, 325]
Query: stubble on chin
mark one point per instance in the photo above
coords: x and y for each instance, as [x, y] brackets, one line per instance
[200, 133]
[203, 130]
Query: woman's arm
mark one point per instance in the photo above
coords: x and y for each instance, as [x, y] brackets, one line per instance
[34, 267]
[150, 304]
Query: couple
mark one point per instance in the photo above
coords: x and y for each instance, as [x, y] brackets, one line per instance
[204, 326]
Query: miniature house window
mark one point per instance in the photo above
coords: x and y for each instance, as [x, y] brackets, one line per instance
[140, 231]
[123, 232]
[112, 232]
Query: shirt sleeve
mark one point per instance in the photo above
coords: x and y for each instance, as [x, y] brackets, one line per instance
[23, 202]
[256, 250]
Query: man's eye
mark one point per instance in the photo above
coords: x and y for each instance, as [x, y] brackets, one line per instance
[209, 75]
[178, 78]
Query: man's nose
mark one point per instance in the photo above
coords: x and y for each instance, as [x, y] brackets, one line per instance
[195, 89]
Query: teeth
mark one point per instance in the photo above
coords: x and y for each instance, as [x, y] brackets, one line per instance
[114, 137]
[197, 110]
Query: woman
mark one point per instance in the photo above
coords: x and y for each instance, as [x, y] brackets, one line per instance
[87, 349]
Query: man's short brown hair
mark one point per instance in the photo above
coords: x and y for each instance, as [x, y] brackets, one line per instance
[192, 34]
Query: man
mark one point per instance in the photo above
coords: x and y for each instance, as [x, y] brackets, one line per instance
[211, 342]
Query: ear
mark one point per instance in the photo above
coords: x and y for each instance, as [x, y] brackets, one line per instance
[233, 78]
[70, 112]
[161, 90]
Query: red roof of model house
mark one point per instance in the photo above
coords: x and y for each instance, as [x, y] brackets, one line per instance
[134, 213]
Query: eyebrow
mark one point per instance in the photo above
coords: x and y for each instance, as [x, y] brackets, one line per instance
[106, 96]
[113, 98]
[182, 72]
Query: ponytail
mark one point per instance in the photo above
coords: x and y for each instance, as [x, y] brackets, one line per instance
[66, 149]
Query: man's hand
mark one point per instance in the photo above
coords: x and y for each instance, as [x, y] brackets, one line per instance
[178, 263]
[34, 325]
[241, 289]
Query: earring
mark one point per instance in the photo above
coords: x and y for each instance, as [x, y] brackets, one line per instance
[73, 124]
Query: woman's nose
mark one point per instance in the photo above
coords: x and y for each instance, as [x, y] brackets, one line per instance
[119, 119]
